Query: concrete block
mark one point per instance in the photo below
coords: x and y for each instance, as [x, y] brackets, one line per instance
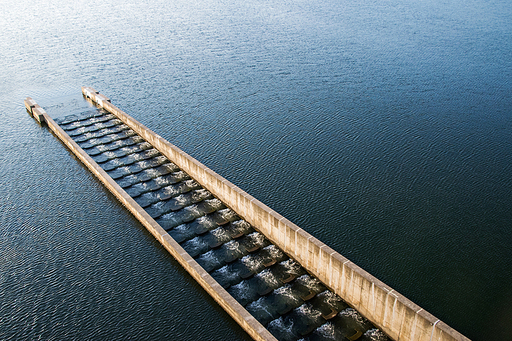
[290, 246]
[272, 228]
[346, 277]
[444, 332]
[89, 92]
[336, 270]
[38, 114]
[29, 104]
[242, 204]
[261, 212]
[391, 310]
[408, 326]
[301, 247]
[324, 264]
[229, 194]
[102, 100]
[425, 325]
[354, 286]
[280, 233]
[372, 298]
[313, 254]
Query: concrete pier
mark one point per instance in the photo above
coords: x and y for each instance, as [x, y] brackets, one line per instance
[394, 314]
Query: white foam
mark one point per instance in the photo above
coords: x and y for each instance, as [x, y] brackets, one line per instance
[274, 251]
[292, 266]
[251, 262]
[376, 335]
[327, 330]
[269, 278]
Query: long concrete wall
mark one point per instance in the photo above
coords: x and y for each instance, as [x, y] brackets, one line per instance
[226, 301]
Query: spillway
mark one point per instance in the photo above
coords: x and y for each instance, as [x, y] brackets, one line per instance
[275, 289]
[263, 286]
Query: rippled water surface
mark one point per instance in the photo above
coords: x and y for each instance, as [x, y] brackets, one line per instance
[382, 128]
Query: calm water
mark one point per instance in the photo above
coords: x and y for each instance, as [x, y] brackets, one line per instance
[383, 128]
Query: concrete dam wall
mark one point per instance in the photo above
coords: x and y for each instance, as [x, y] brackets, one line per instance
[283, 258]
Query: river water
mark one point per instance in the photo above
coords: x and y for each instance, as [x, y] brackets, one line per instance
[382, 128]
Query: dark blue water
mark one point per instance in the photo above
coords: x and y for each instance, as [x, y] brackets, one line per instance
[382, 128]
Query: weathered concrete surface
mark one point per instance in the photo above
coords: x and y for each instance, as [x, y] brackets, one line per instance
[237, 311]
[393, 313]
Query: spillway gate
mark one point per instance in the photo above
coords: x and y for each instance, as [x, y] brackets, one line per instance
[261, 284]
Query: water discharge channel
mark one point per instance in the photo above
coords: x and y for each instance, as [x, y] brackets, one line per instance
[289, 301]
[274, 288]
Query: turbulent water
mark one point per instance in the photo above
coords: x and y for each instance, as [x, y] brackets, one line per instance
[382, 128]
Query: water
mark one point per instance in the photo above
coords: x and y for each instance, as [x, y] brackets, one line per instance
[384, 129]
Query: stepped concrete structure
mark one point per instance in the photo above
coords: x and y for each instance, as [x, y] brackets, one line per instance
[276, 280]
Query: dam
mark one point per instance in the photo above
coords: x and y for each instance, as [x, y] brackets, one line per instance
[273, 278]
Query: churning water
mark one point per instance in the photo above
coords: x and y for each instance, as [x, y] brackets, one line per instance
[382, 128]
